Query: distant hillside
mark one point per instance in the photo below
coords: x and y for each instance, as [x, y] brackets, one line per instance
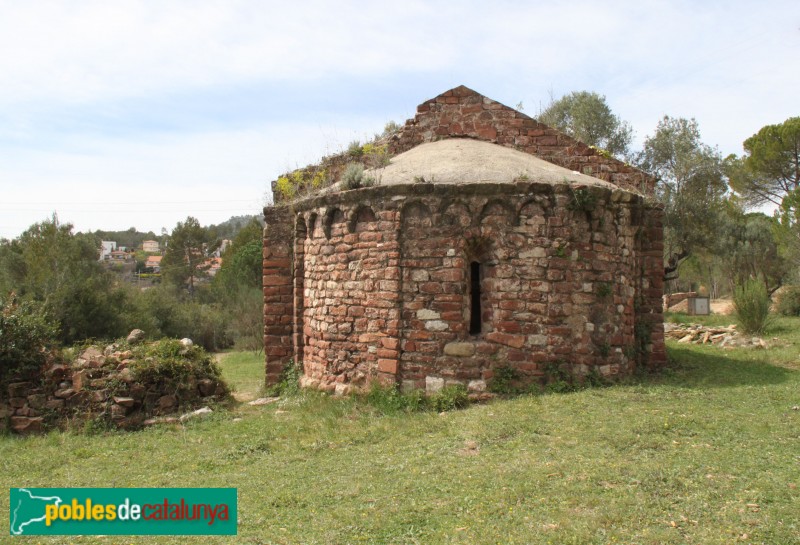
[133, 238]
[130, 238]
[229, 228]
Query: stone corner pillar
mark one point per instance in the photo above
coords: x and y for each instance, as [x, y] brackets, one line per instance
[649, 318]
[277, 285]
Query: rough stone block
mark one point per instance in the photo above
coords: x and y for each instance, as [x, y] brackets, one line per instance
[427, 314]
[167, 402]
[27, 424]
[19, 389]
[433, 384]
[54, 404]
[436, 325]
[459, 349]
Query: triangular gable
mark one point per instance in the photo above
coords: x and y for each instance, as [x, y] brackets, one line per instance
[464, 113]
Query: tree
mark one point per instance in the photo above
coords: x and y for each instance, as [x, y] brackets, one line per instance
[50, 264]
[238, 283]
[242, 261]
[187, 254]
[587, 117]
[746, 245]
[770, 169]
[691, 184]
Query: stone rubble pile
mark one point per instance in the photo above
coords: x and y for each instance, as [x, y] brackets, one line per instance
[99, 384]
[724, 337]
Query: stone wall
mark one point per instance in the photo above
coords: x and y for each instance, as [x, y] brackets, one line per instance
[569, 277]
[463, 113]
[97, 385]
[279, 308]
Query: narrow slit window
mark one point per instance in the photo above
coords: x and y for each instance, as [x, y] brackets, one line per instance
[475, 298]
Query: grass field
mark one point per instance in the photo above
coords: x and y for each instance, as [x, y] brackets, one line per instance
[708, 452]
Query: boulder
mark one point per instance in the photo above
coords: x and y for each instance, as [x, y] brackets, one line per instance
[167, 402]
[126, 375]
[27, 424]
[54, 404]
[126, 402]
[37, 401]
[206, 387]
[92, 353]
[57, 372]
[18, 389]
[65, 393]
[199, 412]
[136, 336]
[80, 379]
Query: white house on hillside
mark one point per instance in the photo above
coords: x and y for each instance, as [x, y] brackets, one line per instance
[150, 246]
[106, 247]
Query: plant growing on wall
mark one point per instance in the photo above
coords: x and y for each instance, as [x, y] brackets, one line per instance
[354, 177]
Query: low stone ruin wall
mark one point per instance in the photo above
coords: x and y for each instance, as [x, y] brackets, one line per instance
[99, 385]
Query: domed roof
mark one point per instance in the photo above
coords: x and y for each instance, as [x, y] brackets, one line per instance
[465, 160]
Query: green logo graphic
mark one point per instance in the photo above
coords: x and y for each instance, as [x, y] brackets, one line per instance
[122, 511]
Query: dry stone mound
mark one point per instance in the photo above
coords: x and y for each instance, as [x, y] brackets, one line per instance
[119, 385]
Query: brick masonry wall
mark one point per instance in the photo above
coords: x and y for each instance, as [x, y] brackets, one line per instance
[381, 285]
[351, 296]
[464, 113]
[278, 286]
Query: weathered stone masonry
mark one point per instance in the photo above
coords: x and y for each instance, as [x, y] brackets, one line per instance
[463, 113]
[427, 284]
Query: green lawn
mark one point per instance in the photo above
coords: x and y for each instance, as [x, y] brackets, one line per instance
[709, 452]
[244, 372]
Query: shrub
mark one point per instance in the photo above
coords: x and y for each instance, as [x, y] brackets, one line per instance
[390, 400]
[26, 333]
[289, 382]
[583, 199]
[355, 150]
[286, 188]
[354, 177]
[789, 301]
[504, 380]
[450, 398]
[168, 365]
[751, 302]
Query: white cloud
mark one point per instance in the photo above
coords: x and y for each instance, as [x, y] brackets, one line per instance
[119, 183]
[70, 71]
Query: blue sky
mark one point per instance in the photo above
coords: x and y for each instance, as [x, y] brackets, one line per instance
[137, 114]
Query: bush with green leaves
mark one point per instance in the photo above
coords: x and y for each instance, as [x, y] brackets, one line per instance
[389, 400]
[752, 303]
[289, 381]
[169, 365]
[354, 177]
[26, 334]
[789, 301]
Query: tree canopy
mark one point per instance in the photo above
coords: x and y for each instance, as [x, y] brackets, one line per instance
[188, 250]
[691, 184]
[769, 171]
[587, 117]
[52, 265]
